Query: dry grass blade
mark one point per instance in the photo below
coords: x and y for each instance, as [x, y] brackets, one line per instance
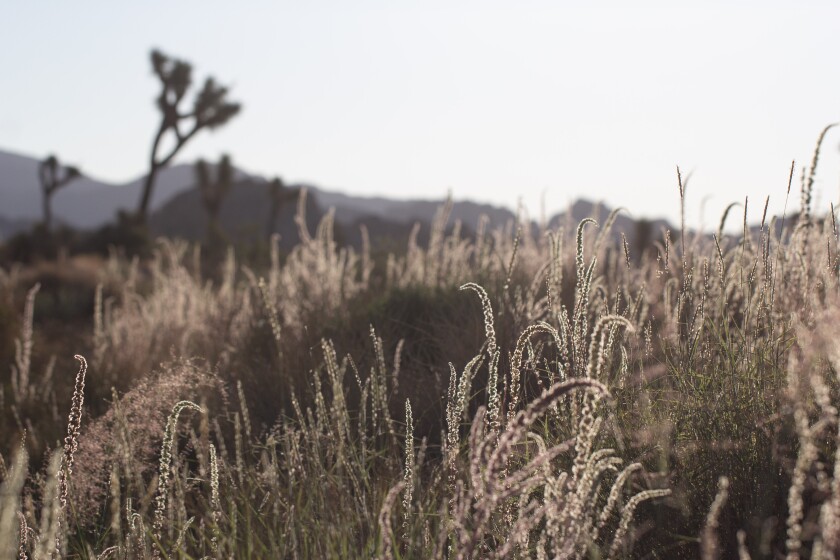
[10, 505]
[709, 545]
[74, 424]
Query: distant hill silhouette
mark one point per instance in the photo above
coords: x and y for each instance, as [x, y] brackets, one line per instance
[352, 209]
[245, 212]
[243, 216]
[10, 227]
[176, 208]
[86, 203]
[389, 221]
[624, 223]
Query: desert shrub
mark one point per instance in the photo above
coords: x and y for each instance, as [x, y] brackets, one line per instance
[381, 410]
[127, 234]
[67, 288]
[39, 244]
[170, 310]
[428, 327]
[122, 445]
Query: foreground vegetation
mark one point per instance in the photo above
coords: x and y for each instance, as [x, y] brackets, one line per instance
[523, 394]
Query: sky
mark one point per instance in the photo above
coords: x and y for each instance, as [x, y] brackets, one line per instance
[499, 102]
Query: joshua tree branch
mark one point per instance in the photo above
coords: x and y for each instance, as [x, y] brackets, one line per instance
[211, 109]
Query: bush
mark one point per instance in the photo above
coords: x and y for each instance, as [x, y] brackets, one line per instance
[38, 244]
[391, 413]
[128, 235]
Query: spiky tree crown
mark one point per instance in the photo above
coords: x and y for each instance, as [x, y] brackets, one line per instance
[54, 176]
[210, 108]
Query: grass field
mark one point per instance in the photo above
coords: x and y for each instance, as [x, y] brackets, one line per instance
[523, 394]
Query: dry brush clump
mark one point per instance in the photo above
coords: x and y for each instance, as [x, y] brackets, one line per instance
[512, 499]
[339, 450]
[122, 446]
[545, 410]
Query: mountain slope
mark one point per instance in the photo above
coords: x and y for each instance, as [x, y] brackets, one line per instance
[638, 232]
[9, 227]
[176, 208]
[243, 216]
[84, 203]
[352, 209]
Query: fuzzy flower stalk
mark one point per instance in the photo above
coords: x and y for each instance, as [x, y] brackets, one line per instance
[166, 463]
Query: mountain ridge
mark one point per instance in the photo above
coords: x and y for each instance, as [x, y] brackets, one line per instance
[176, 207]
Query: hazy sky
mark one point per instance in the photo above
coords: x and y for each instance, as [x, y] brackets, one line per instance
[497, 101]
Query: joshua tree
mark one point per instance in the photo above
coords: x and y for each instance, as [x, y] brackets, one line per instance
[210, 110]
[53, 176]
[213, 192]
[279, 194]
